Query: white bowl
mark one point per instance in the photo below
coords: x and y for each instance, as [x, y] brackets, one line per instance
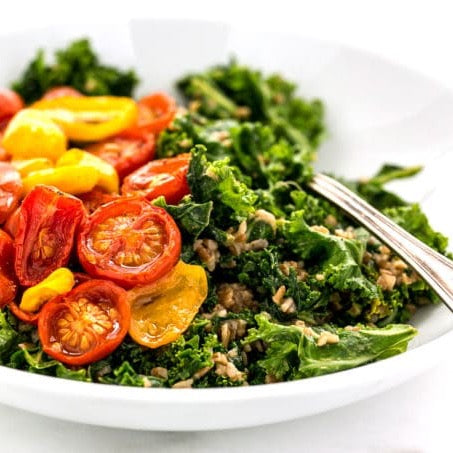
[376, 112]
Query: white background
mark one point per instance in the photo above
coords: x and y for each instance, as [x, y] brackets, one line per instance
[415, 417]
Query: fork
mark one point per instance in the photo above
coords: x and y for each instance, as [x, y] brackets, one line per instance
[434, 268]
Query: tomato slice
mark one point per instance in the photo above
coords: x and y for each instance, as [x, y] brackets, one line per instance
[10, 103]
[48, 221]
[163, 310]
[155, 113]
[167, 177]
[86, 324]
[130, 242]
[126, 154]
[95, 198]
[7, 279]
[10, 190]
[61, 92]
[29, 318]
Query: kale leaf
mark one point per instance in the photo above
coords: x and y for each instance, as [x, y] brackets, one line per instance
[235, 91]
[293, 352]
[336, 259]
[221, 183]
[77, 66]
[413, 220]
[192, 218]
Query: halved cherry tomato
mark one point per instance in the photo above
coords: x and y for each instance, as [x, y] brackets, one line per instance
[7, 280]
[125, 154]
[130, 242]
[10, 190]
[163, 310]
[95, 198]
[90, 118]
[10, 103]
[167, 177]
[86, 324]
[29, 318]
[155, 113]
[48, 221]
[61, 92]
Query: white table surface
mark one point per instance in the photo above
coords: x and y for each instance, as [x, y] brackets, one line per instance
[415, 417]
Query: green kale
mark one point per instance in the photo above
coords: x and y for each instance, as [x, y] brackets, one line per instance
[412, 219]
[77, 66]
[293, 353]
[9, 338]
[192, 129]
[192, 218]
[373, 191]
[337, 259]
[126, 375]
[221, 183]
[234, 91]
[259, 153]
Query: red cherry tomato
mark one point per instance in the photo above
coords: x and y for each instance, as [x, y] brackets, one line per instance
[86, 324]
[155, 113]
[130, 242]
[7, 279]
[10, 103]
[167, 177]
[29, 318]
[10, 190]
[60, 92]
[48, 221]
[95, 198]
[126, 154]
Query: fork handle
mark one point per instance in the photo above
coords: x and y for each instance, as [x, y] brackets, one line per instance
[434, 268]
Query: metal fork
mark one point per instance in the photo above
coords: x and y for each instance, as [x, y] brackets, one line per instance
[434, 268]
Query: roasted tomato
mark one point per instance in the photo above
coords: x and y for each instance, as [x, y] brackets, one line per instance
[47, 224]
[95, 198]
[167, 177]
[125, 154]
[163, 310]
[155, 113]
[7, 280]
[130, 242]
[10, 103]
[61, 92]
[86, 324]
[10, 190]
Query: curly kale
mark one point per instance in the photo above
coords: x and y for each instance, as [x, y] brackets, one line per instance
[235, 91]
[294, 353]
[77, 66]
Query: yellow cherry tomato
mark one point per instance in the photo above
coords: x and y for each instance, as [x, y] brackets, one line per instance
[32, 134]
[108, 177]
[58, 282]
[73, 179]
[25, 167]
[90, 118]
[164, 309]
